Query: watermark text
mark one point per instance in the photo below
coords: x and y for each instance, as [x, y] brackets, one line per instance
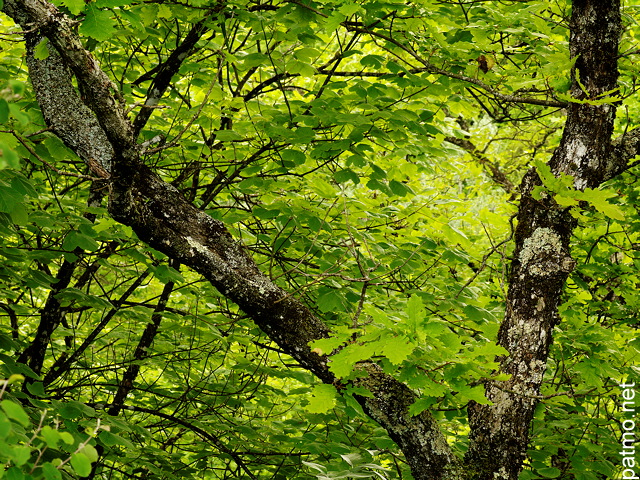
[628, 428]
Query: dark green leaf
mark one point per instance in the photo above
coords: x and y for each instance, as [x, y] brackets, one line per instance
[4, 111]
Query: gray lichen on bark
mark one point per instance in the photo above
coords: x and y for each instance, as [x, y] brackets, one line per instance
[543, 254]
[64, 111]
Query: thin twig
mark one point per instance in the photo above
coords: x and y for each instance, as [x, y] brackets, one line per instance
[47, 164]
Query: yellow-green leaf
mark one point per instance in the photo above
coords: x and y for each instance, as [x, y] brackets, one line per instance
[323, 399]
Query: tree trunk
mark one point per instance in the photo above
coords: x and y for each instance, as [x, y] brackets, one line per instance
[542, 260]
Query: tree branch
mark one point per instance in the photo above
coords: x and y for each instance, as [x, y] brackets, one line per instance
[429, 67]
[162, 218]
[99, 91]
[164, 72]
[146, 339]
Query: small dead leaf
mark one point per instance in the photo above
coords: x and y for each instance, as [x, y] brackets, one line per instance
[485, 63]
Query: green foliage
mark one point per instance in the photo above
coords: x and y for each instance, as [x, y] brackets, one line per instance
[566, 195]
[36, 445]
[323, 399]
[593, 350]
[97, 23]
[358, 467]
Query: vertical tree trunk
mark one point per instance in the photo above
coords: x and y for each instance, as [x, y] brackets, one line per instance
[542, 261]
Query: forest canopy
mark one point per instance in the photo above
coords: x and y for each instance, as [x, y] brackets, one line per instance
[318, 239]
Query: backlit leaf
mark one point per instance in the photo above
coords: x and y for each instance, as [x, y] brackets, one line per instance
[97, 24]
[323, 399]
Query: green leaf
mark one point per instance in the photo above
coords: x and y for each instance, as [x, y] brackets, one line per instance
[375, 61]
[306, 54]
[74, 6]
[325, 346]
[416, 316]
[22, 185]
[68, 411]
[50, 472]
[399, 188]
[8, 154]
[330, 299]
[397, 348]
[549, 472]
[67, 438]
[420, 405]
[474, 393]
[133, 20]
[490, 350]
[598, 198]
[91, 453]
[349, 9]
[15, 412]
[4, 111]
[256, 60]
[9, 198]
[109, 439]
[323, 399]
[19, 214]
[375, 184]
[167, 274]
[148, 14]
[14, 473]
[265, 214]
[324, 189]
[97, 24]
[36, 389]
[342, 362]
[227, 136]
[164, 11]
[296, 157]
[37, 278]
[41, 52]
[81, 464]
[75, 239]
[5, 426]
[21, 455]
[51, 436]
[343, 176]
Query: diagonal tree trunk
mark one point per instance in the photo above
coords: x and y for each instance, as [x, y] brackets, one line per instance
[163, 219]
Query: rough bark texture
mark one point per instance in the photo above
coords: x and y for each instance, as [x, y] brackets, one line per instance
[104, 138]
[161, 217]
[82, 132]
[542, 261]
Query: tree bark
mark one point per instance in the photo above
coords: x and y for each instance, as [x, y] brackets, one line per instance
[162, 218]
[542, 260]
